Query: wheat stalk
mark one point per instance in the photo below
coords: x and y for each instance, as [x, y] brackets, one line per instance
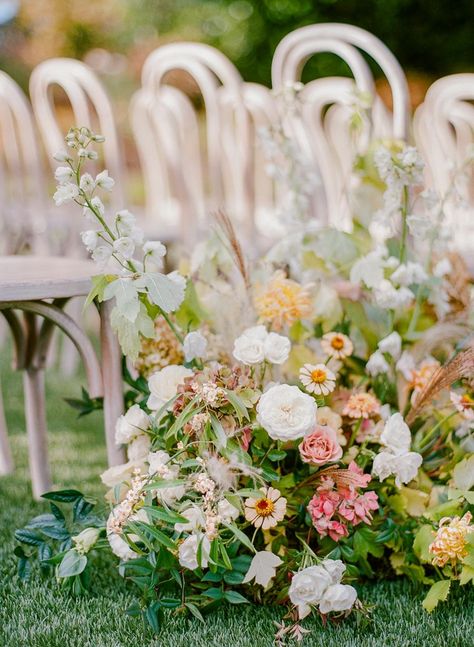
[233, 246]
[460, 366]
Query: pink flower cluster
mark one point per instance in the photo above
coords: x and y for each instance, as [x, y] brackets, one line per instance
[338, 503]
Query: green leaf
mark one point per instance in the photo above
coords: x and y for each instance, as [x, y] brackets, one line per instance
[140, 528]
[63, 496]
[467, 574]
[437, 593]
[190, 314]
[129, 332]
[162, 483]
[236, 402]
[423, 538]
[153, 616]
[219, 432]
[162, 291]
[463, 474]
[235, 598]
[214, 593]
[99, 283]
[186, 414]
[126, 297]
[241, 536]
[164, 515]
[194, 610]
[72, 564]
[28, 537]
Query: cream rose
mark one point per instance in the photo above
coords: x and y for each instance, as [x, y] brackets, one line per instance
[286, 413]
[308, 587]
[277, 348]
[164, 384]
[187, 552]
[338, 597]
[249, 348]
[131, 425]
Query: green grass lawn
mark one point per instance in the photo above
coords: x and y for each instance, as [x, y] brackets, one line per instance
[39, 614]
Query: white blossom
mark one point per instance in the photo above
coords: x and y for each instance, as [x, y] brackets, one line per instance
[377, 364]
[188, 552]
[154, 251]
[286, 413]
[406, 364]
[90, 238]
[87, 183]
[132, 424]
[63, 174]
[164, 384]
[338, 597]
[104, 181]
[262, 568]
[194, 346]
[62, 156]
[102, 255]
[308, 587]
[65, 193]
[392, 344]
[409, 273]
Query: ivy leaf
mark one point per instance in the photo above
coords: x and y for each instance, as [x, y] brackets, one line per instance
[163, 291]
[437, 593]
[126, 297]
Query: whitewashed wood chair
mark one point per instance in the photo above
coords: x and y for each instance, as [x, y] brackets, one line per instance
[327, 106]
[23, 202]
[89, 106]
[39, 288]
[444, 132]
[223, 172]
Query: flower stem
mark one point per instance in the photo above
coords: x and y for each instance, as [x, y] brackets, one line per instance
[404, 225]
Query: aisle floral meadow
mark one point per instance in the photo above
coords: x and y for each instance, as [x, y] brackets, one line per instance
[294, 424]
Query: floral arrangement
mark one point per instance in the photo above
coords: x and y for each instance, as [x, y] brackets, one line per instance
[294, 424]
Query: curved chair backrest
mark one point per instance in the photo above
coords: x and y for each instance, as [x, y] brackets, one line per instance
[22, 189]
[226, 159]
[90, 106]
[444, 126]
[286, 66]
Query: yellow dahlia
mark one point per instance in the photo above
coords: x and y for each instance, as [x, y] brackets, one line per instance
[450, 541]
[282, 301]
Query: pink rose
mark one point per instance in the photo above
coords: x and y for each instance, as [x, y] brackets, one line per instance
[320, 446]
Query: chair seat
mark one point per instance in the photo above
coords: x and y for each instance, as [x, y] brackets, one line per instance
[25, 278]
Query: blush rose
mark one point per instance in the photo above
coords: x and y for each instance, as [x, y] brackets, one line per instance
[320, 446]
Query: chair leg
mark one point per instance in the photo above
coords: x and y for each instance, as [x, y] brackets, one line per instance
[6, 460]
[69, 357]
[33, 385]
[113, 384]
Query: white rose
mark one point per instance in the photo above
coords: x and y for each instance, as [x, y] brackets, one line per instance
[227, 511]
[139, 448]
[85, 540]
[377, 364]
[308, 587]
[396, 434]
[132, 424]
[187, 553]
[119, 473]
[64, 193]
[196, 520]
[63, 174]
[194, 345]
[286, 413]
[338, 597]
[90, 239]
[164, 384]
[249, 348]
[276, 348]
[336, 569]
[392, 344]
[124, 246]
[104, 181]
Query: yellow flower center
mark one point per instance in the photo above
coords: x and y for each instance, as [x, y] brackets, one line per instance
[337, 343]
[264, 507]
[318, 375]
[466, 401]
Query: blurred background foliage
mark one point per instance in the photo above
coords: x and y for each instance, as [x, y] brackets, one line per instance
[430, 38]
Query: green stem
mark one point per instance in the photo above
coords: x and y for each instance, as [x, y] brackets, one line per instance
[178, 336]
[425, 440]
[404, 225]
[355, 431]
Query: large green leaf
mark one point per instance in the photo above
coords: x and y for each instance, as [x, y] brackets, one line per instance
[72, 564]
[126, 297]
[163, 291]
[437, 593]
[129, 332]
